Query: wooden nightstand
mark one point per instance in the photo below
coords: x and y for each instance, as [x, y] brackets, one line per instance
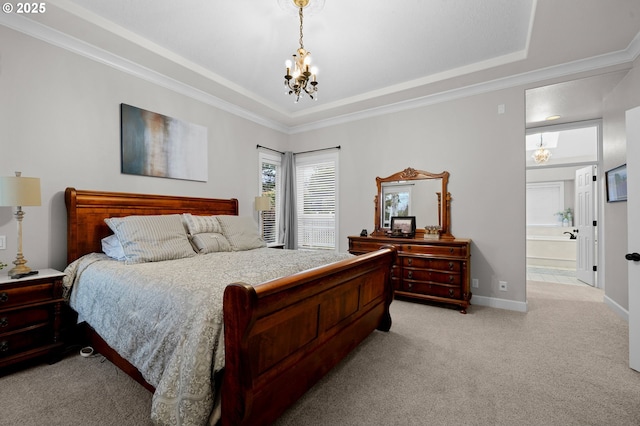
[30, 317]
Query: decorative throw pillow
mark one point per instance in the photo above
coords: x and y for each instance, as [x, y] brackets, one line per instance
[201, 224]
[151, 238]
[210, 242]
[111, 247]
[241, 231]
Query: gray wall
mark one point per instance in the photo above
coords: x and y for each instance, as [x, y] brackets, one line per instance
[469, 139]
[625, 96]
[59, 120]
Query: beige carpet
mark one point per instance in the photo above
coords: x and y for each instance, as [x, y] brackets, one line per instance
[565, 362]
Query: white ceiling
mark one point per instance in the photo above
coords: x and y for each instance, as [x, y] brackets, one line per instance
[372, 55]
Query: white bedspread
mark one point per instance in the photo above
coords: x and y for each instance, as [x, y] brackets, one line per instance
[165, 318]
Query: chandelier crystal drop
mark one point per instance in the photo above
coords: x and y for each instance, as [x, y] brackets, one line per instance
[301, 76]
[542, 154]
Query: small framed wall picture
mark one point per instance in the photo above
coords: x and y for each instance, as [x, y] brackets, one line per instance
[616, 180]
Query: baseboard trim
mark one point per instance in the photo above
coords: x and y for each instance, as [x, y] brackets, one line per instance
[494, 302]
[615, 307]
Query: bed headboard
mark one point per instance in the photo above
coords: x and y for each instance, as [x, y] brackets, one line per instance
[86, 211]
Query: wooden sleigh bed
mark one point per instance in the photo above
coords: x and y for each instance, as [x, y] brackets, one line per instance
[280, 337]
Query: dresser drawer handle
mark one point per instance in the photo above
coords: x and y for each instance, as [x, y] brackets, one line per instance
[410, 286]
[3, 297]
[451, 292]
[4, 346]
[451, 266]
[410, 261]
[410, 274]
[450, 278]
[451, 250]
[4, 322]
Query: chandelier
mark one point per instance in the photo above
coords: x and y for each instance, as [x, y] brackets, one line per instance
[542, 154]
[303, 78]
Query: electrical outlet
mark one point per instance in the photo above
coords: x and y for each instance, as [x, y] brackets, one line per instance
[502, 285]
[3, 242]
[475, 283]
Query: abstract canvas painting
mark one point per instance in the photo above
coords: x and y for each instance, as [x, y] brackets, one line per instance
[156, 145]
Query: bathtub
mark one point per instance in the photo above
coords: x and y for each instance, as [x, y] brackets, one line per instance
[548, 246]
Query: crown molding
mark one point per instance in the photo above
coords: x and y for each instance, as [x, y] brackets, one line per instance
[82, 48]
[621, 57]
[65, 41]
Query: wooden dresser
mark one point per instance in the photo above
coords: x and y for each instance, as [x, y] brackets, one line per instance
[429, 270]
[30, 317]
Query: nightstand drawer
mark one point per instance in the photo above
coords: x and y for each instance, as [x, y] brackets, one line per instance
[18, 296]
[14, 319]
[16, 342]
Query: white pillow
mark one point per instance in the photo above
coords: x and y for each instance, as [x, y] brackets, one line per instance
[111, 247]
[151, 238]
[241, 231]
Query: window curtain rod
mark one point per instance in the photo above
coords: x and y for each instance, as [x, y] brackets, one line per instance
[270, 149]
[296, 153]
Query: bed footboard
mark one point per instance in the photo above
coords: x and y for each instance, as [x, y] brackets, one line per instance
[282, 336]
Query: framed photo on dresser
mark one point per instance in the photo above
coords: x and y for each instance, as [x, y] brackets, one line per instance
[403, 225]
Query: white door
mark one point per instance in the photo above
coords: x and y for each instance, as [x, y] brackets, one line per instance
[633, 229]
[583, 225]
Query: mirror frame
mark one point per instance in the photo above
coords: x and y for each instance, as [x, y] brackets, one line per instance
[409, 174]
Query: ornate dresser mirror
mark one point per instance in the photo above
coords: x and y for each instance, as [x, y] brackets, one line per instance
[416, 193]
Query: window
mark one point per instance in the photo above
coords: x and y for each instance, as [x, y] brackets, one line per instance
[544, 201]
[270, 187]
[316, 199]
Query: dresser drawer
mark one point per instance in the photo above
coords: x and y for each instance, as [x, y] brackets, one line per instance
[431, 276]
[16, 342]
[366, 246]
[432, 289]
[18, 318]
[436, 264]
[437, 250]
[17, 296]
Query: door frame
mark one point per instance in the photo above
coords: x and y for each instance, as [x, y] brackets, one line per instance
[599, 188]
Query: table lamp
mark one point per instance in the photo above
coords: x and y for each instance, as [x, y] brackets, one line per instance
[262, 204]
[17, 191]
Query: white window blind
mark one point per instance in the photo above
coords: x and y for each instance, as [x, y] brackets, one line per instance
[270, 187]
[316, 199]
[544, 201]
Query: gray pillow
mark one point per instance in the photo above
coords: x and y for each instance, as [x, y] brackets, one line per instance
[151, 238]
[241, 231]
[210, 242]
[201, 224]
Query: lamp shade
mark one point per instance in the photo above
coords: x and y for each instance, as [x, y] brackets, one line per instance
[263, 203]
[19, 191]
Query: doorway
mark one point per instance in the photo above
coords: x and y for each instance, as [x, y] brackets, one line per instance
[561, 200]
